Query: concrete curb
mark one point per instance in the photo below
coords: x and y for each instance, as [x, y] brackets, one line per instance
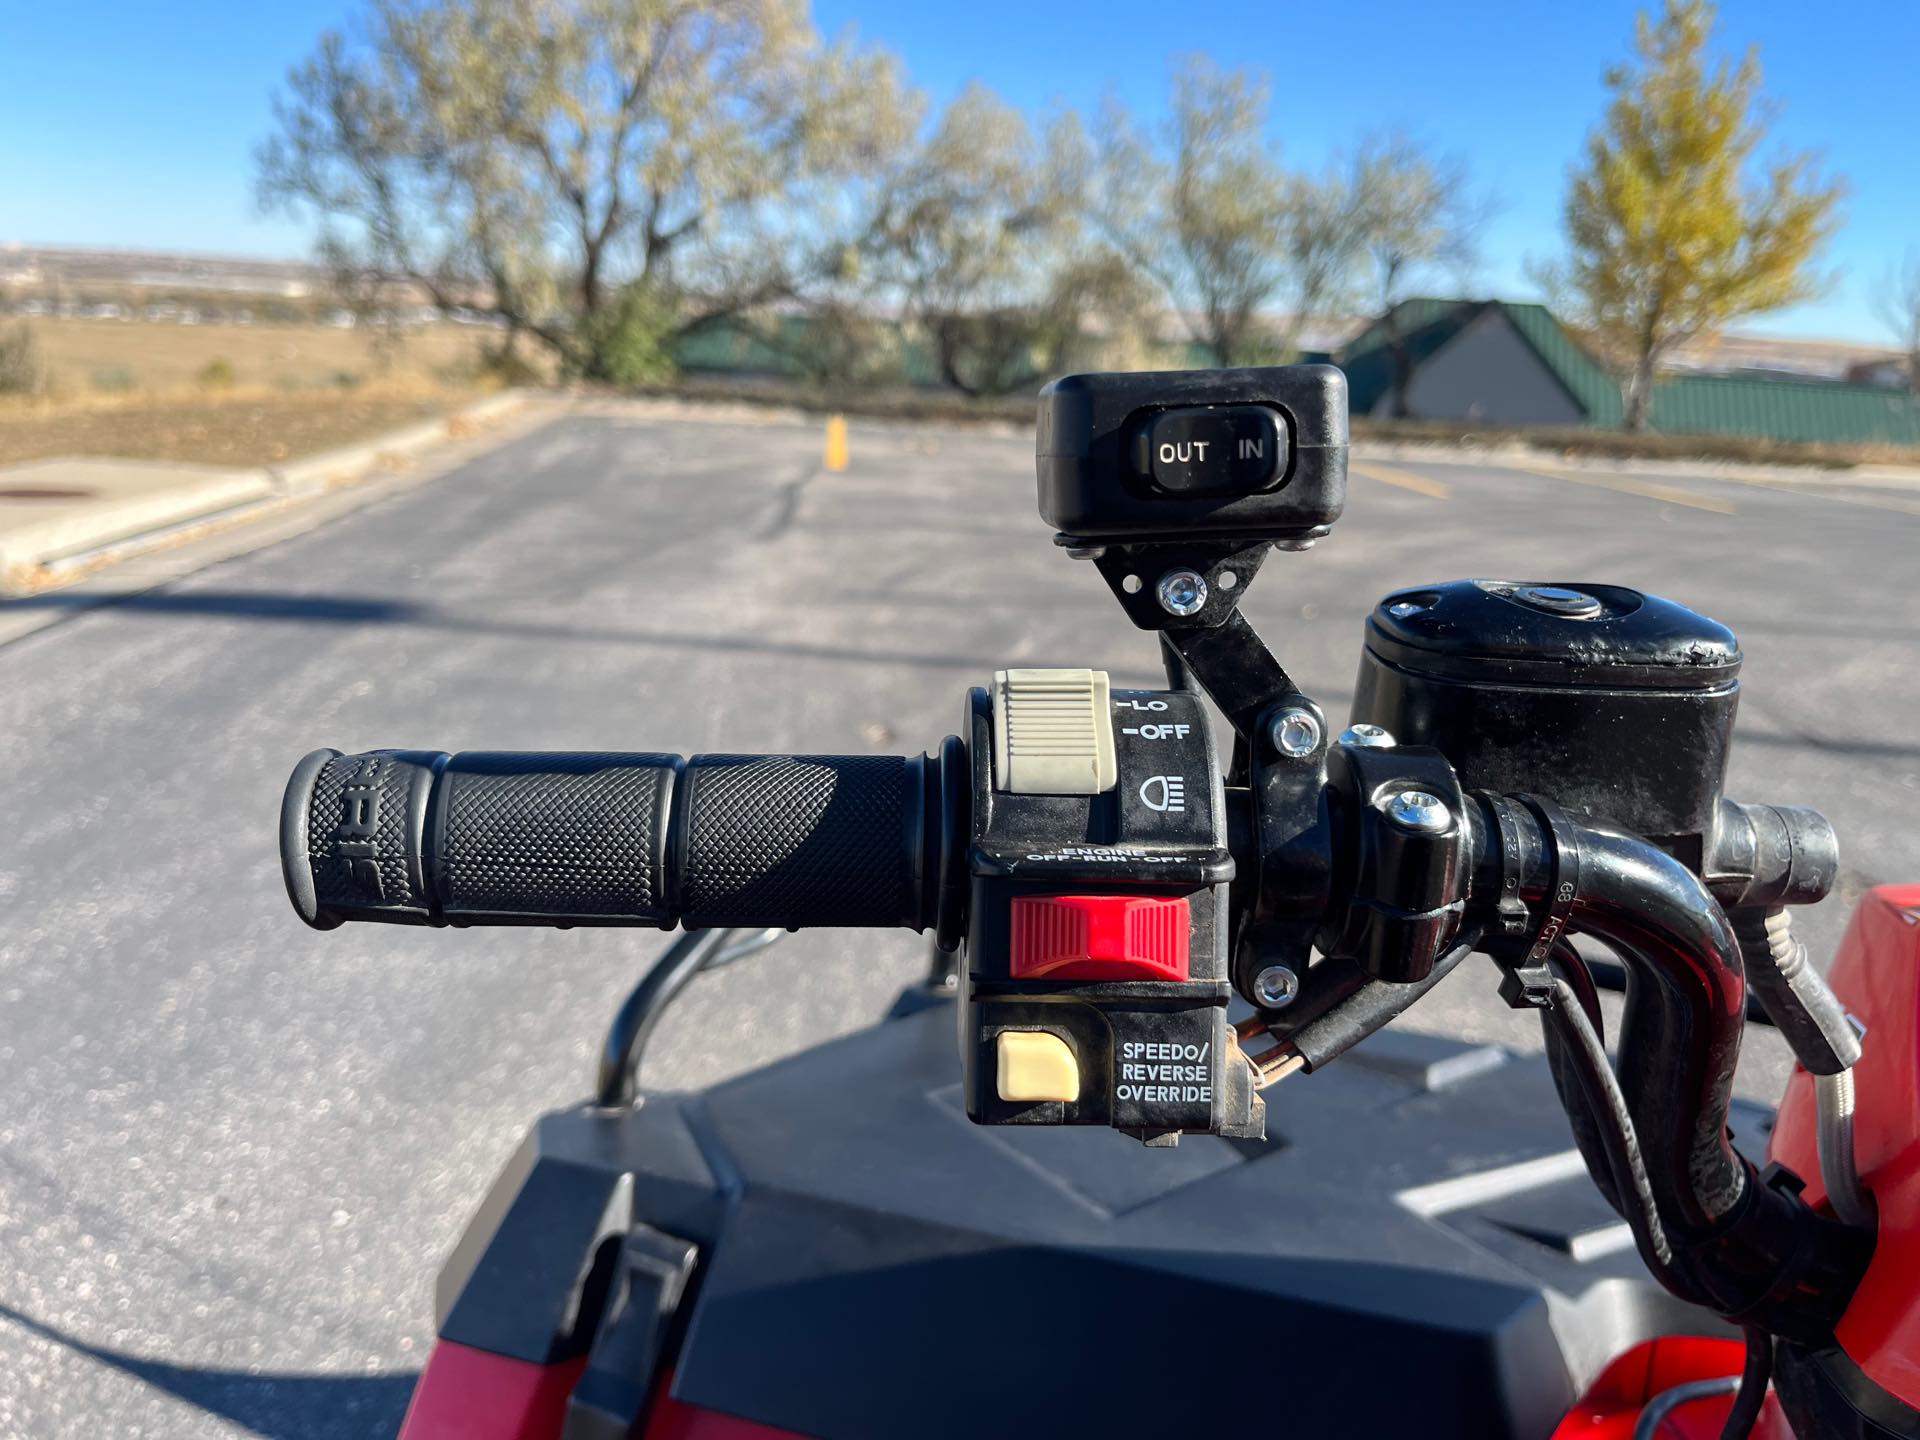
[312, 474]
[115, 571]
[215, 497]
[1524, 457]
[175, 495]
[212, 496]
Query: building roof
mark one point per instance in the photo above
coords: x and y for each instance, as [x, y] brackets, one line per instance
[1428, 324]
[1819, 411]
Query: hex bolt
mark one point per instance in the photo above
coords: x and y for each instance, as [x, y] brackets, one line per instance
[1295, 732]
[1276, 987]
[1418, 811]
[1183, 592]
[1368, 737]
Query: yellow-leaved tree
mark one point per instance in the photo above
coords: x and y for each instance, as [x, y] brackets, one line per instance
[1674, 228]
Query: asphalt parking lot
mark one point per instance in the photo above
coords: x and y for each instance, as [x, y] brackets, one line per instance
[234, 1151]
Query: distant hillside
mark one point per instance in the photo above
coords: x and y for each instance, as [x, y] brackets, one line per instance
[49, 267]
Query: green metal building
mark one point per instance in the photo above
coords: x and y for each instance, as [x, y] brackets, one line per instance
[1499, 363]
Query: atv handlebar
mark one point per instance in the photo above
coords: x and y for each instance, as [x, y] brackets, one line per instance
[1116, 884]
[526, 838]
[718, 841]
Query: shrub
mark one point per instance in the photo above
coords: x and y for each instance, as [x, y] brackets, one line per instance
[217, 374]
[630, 342]
[506, 367]
[492, 367]
[114, 378]
[20, 372]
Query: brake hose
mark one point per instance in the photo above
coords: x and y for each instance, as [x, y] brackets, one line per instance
[1833, 1136]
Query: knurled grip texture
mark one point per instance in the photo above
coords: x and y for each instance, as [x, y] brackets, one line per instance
[422, 837]
[799, 840]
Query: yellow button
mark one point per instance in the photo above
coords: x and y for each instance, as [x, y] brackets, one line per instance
[1034, 1065]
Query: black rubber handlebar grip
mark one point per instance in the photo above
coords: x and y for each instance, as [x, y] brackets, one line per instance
[482, 838]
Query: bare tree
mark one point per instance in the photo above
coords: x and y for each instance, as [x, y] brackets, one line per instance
[1250, 254]
[973, 241]
[1321, 233]
[965, 237]
[1410, 213]
[1899, 305]
[1194, 208]
[582, 168]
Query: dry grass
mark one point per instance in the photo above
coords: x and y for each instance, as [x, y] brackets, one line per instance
[86, 357]
[132, 389]
[255, 428]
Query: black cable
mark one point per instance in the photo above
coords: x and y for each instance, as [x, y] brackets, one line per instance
[1371, 1004]
[1754, 1377]
[1656, 1412]
[1795, 995]
[1568, 965]
[1614, 1128]
[1571, 966]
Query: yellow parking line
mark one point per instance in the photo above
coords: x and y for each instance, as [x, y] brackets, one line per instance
[1405, 479]
[1646, 489]
[1819, 492]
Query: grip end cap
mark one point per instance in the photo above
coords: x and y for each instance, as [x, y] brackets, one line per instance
[296, 866]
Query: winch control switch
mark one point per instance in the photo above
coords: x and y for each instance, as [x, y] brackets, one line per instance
[1255, 454]
[1212, 449]
[1098, 873]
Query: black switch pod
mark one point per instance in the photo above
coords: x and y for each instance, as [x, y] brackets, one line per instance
[1194, 455]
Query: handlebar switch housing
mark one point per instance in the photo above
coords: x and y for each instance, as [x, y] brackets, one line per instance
[1099, 924]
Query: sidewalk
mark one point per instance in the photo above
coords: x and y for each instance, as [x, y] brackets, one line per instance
[52, 509]
[57, 515]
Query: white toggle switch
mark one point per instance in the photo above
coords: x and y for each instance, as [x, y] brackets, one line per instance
[1053, 732]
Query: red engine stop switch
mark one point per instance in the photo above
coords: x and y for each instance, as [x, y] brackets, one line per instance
[1100, 937]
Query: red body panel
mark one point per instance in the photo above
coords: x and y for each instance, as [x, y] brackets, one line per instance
[468, 1394]
[1877, 977]
[670, 1420]
[1612, 1404]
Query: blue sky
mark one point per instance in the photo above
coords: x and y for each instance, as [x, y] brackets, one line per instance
[135, 124]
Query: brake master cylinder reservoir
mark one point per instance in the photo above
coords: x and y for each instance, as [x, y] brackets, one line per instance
[1615, 703]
